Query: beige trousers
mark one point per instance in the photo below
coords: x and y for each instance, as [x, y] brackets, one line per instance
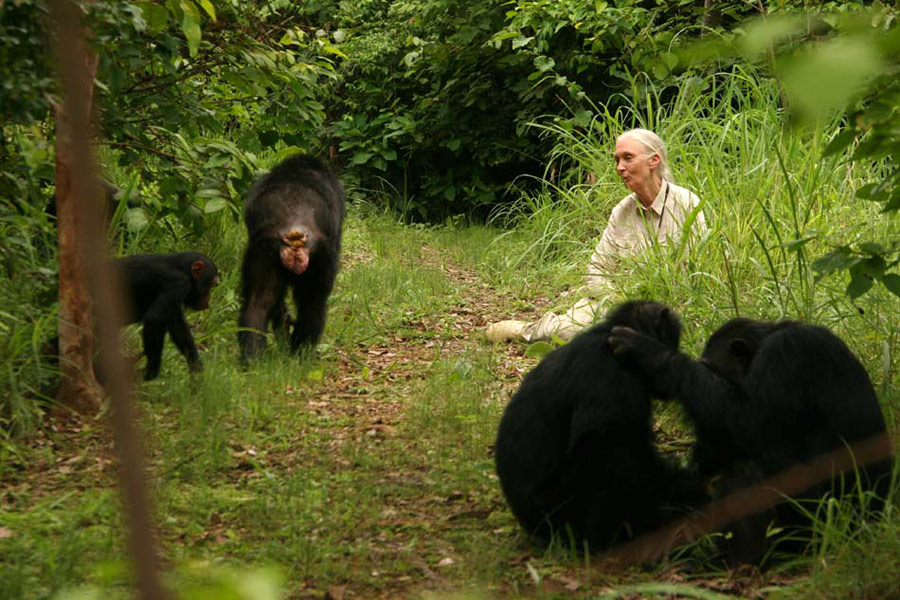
[585, 312]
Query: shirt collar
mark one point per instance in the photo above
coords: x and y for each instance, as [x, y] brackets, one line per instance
[658, 203]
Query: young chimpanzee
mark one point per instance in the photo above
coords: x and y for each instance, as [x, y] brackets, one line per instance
[766, 396]
[574, 449]
[158, 287]
[294, 216]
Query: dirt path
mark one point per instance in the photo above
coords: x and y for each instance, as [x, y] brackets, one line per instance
[378, 414]
[362, 403]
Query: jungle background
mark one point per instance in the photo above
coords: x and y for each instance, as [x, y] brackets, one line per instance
[475, 142]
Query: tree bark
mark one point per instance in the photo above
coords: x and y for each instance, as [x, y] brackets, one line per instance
[78, 389]
[82, 260]
[712, 15]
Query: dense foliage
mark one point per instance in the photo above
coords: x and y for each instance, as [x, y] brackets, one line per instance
[189, 94]
[428, 101]
[435, 99]
[873, 131]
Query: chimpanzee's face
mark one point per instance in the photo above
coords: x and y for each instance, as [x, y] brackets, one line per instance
[728, 356]
[206, 277]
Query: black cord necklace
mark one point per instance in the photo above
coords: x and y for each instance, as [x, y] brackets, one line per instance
[662, 213]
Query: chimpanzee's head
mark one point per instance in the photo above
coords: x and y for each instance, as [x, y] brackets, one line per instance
[649, 317]
[731, 348]
[204, 277]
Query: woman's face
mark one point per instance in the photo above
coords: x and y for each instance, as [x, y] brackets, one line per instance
[632, 163]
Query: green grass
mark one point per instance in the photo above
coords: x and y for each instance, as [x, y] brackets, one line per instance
[368, 463]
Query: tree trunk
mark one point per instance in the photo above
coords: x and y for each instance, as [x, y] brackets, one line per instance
[82, 259]
[712, 15]
[79, 389]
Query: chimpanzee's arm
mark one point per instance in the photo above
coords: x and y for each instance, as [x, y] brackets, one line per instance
[707, 397]
[154, 334]
[181, 334]
[713, 404]
[166, 313]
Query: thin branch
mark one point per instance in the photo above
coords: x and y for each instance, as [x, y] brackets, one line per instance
[140, 147]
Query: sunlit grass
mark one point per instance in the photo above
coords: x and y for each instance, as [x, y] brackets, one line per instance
[772, 203]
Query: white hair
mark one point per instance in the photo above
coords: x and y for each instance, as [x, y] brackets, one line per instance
[653, 144]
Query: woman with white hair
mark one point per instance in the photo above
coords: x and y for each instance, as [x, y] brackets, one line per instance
[656, 209]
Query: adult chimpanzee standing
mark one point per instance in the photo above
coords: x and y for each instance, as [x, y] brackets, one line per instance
[764, 397]
[575, 450]
[294, 216]
[158, 287]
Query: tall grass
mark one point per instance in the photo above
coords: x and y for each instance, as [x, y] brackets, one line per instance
[772, 202]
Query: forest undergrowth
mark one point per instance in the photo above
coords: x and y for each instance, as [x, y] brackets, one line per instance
[365, 469]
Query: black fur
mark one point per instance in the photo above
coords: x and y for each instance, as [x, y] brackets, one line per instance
[574, 449]
[158, 287]
[766, 396]
[301, 197]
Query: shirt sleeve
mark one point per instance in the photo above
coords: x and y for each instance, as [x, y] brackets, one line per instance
[604, 260]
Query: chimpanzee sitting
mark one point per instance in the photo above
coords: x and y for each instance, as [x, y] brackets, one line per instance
[294, 216]
[575, 448]
[766, 396]
[158, 286]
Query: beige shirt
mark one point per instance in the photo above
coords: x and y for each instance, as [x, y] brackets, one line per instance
[631, 227]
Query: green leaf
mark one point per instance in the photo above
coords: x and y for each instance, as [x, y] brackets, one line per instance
[873, 192]
[454, 144]
[544, 63]
[209, 8]
[190, 25]
[830, 74]
[894, 203]
[157, 16]
[872, 248]
[840, 141]
[521, 41]
[892, 282]
[218, 160]
[660, 71]
[361, 158]
[215, 205]
[838, 260]
[860, 283]
[136, 219]
[450, 193]
[670, 60]
[538, 349]
[798, 244]
[138, 19]
[583, 117]
[506, 35]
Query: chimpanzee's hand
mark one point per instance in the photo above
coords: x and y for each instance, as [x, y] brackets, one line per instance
[630, 345]
[646, 354]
